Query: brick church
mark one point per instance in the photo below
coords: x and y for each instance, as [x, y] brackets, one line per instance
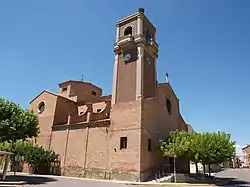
[114, 136]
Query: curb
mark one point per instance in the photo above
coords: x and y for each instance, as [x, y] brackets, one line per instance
[12, 183]
[165, 183]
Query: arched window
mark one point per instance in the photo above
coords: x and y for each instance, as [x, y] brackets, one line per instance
[168, 105]
[128, 31]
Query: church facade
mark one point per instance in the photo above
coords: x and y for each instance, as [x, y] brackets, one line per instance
[114, 136]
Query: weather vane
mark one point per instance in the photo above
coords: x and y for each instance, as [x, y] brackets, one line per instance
[167, 77]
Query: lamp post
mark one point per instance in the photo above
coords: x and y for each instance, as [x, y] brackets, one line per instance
[174, 169]
[7, 159]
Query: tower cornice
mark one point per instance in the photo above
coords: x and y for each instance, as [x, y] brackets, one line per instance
[128, 18]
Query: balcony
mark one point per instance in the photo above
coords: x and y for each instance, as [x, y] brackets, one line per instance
[125, 39]
[135, 39]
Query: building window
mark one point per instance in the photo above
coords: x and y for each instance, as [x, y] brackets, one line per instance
[149, 145]
[64, 89]
[168, 105]
[128, 31]
[93, 93]
[123, 143]
[41, 107]
[99, 110]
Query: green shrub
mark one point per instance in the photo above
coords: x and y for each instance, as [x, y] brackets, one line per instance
[37, 157]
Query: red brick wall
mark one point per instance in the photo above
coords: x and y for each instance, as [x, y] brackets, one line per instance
[126, 79]
[149, 76]
[64, 107]
[46, 118]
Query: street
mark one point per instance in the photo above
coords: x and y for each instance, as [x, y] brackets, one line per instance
[233, 177]
[66, 182]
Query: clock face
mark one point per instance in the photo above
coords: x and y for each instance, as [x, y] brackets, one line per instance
[127, 57]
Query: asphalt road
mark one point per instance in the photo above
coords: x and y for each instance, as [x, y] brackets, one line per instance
[233, 177]
[65, 182]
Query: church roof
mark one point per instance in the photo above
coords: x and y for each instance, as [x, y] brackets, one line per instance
[42, 93]
[169, 86]
[78, 82]
[49, 92]
[246, 147]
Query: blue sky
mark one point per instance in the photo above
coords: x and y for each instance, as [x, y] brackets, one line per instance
[204, 45]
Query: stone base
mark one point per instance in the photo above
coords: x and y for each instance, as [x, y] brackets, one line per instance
[126, 176]
[74, 171]
[193, 178]
[144, 176]
[77, 171]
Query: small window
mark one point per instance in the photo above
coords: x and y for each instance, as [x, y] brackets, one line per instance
[93, 93]
[128, 31]
[168, 105]
[123, 143]
[149, 145]
[64, 89]
[99, 110]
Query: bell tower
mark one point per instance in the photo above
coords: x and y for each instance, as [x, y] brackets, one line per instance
[134, 81]
[136, 52]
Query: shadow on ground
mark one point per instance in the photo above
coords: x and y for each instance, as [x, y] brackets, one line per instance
[212, 180]
[218, 181]
[230, 182]
[30, 179]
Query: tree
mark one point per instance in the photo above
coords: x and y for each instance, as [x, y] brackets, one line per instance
[16, 123]
[207, 148]
[40, 159]
[37, 157]
[204, 148]
[175, 146]
[193, 152]
[219, 148]
[18, 147]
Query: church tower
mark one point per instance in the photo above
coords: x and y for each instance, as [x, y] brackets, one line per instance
[134, 92]
[136, 52]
